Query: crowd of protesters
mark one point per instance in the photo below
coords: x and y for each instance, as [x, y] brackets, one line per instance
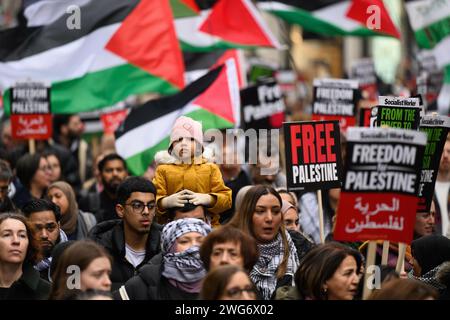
[73, 227]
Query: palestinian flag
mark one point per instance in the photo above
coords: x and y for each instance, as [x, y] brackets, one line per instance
[213, 99]
[430, 21]
[199, 64]
[122, 48]
[226, 24]
[331, 17]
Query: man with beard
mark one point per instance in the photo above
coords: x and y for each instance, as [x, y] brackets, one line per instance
[113, 171]
[68, 130]
[133, 239]
[43, 217]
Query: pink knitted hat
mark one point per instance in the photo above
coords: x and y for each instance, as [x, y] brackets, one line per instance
[186, 127]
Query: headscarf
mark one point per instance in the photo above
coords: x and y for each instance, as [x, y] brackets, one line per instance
[431, 251]
[69, 219]
[264, 273]
[185, 269]
[286, 205]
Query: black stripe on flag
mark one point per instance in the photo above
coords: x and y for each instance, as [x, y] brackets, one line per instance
[155, 109]
[309, 5]
[94, 15]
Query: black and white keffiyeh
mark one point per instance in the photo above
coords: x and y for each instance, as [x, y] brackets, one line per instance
[185, 269]
[271, 255]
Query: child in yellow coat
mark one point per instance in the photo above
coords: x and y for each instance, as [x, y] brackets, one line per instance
[184, 175]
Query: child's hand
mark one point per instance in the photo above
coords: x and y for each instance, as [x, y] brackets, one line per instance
[177, 199]
[203, 199]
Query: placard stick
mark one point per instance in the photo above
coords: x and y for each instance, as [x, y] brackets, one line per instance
[385, 255]
[32, 146]
[321, 228]
[401, 257]
[370, 261]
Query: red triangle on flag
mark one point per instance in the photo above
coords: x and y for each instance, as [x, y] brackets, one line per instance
[232, 54]
[218, 98]
[362, 11]
[147, 39]
[238, 21]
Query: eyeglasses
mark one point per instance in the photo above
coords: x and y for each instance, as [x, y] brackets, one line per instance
[236, 293]
[45, 168]
[138, 206]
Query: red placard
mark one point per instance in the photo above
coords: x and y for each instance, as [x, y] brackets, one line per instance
[111, 121]
[31, 126]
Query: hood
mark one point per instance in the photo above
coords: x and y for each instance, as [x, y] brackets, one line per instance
[164, 157]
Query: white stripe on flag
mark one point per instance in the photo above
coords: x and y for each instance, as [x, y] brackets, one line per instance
[442, 52]
[187, 31]
[69, 61]
[336, 14]
[425, 12]
[150, 134]
[45, 12]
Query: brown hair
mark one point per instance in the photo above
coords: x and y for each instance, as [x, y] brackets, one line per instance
[249, 248]
[319, 265]
[243, 219]
[404, 289]
[80, 253]
[31, 252]
[216, 281]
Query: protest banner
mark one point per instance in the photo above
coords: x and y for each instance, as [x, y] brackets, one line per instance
[430, 78]
[262, 106]
[313, 158]
[397, 112]
[363, 70]
[436, 128]
[336, 99]
[30, 112]
[379, 196]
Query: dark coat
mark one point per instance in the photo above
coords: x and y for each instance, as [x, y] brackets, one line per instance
[30, 286]
[149, 284]
[110, 234]
[302, 244]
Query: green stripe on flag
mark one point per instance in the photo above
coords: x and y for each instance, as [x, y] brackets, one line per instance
[89, 92]
[186, 46]
[309, 22]
[181, 10]
[138, 163]
[428, 37]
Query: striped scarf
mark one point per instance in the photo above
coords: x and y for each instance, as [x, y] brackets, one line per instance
[271, 255]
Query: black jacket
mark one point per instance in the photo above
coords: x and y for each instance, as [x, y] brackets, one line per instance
[302, 244]
[30, 286]
[110, 234]
[149, 284]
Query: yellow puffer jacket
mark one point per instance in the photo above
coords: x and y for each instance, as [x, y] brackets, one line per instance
[204, 177]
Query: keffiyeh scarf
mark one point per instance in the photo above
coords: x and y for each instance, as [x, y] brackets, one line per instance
[264, 273]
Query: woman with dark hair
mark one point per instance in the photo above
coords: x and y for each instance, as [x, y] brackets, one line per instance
[94, 266]
[6, 181]
[18, 279]
[260, 216]
[429, 253]
[229, 245]
[228, 282]
[329, 272]
[55, 164]
[74, 222]
[177, 272]
[33, 172]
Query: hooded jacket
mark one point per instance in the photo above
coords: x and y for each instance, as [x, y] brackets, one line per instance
[201, 176]
[110, 234]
